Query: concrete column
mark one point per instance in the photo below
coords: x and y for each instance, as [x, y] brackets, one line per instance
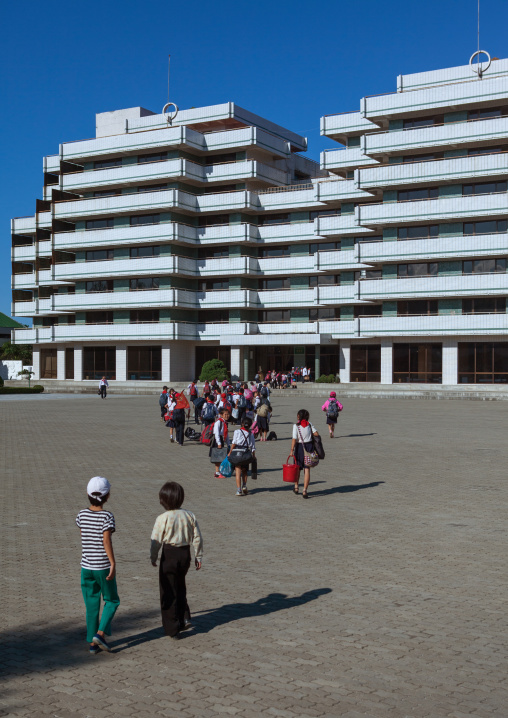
[36, 364]
[236, 357]
[121, 363]
[60, 364]
[165, 363]
[345, 362]
[246, 365]
[78, 363]
[450, 361]
[386, 362]
[317, 363]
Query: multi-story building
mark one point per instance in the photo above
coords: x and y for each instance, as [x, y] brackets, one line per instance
[162, 243]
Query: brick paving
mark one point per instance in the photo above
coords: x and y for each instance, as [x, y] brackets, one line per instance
[381, 596]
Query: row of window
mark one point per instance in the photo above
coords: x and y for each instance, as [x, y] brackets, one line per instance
[464, 152]
[467, 189]
[162, 156]
[430, 231]
[477, 114]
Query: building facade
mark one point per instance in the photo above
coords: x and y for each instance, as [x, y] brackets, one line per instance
[165, 242]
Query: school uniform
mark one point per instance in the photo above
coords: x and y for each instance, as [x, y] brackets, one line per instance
[303, 436]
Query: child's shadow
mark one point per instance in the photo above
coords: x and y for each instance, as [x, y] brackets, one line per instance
[208, 620]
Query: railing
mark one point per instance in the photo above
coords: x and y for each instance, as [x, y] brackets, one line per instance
[286, 188]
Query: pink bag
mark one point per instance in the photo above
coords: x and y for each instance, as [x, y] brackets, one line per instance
[255, 428]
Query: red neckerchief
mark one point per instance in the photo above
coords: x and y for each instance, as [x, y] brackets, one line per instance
[303, 423]
[224, 428]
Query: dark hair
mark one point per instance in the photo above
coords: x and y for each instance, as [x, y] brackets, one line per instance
[164, 388]
[223, 410]
[171, 496]
[303, 415]
[246, 422]
[98, 500]
[240, 391]
[207, 395]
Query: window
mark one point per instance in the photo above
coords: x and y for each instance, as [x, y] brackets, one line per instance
[144, 363]
[325, 213]
[69, 362]
[107, 164]
[418, 269]
[417, 307]
[153, 157]
[484, 188]
[414, 194]
[142, 283]
[144, 219]
[96, 255]
[215, 316]
[483, 363]
[425, 232]
[279, 283]
[213, 220]
[144, 316]
[488, 227]
[48, 364]
[484, 266]
[99, 362]
[49, 321]
[324, 280]
[484, 305]
[99, 223]
[99, 317]
[323, 314]
[99, 285]
[274, 315]
[152, 188]
[106, 193]
[140, 252]
[211, 284]
[487, 114]
[280, 251]
[423, 122]
[367, 310]
[213, 252]
[419, 363]
[223, 158]
[474, 151]
[366, 362]
[423, 157]
[326, 246]
[274, 219]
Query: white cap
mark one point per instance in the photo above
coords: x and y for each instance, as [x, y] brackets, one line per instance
[98, 485]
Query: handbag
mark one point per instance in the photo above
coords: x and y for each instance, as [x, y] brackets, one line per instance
[318, 446]
[217, 455]
[225, 468]
[310, 459]
[290, 471]
[241, 454]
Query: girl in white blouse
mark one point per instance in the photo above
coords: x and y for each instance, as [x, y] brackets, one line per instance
[243, 438]
[303, 431]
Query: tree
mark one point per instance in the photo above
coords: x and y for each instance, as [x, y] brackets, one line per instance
[213, 369]
[18, 352]
[26, 372]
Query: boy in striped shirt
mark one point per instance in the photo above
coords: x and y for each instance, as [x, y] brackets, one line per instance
[98, 566]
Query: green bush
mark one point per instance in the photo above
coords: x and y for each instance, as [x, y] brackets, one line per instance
[37, 389]
[213, 369]
[327, 379]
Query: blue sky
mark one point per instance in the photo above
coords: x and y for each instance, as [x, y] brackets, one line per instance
[289, 61]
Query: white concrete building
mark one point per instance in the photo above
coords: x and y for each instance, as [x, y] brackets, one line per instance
[157, 246]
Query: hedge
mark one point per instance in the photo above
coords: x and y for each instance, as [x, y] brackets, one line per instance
[37, 389]
[327, 379]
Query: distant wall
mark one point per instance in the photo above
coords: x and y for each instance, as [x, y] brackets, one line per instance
[9, 368]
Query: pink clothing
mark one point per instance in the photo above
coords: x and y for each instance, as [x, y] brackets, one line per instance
[327, 403]
[248, 394]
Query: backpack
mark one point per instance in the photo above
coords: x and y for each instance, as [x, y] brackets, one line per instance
[163, 399]
[209, 412]
[191, 434]
[242, 402]
[193, 392]
[248, 404]
[263, 392]
[333, 409]
[198, 402]
[272, 436]
[206, 435]
[263, 410]
[227, 406]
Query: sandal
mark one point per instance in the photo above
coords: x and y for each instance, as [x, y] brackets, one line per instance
[295, 490]
[305, 495]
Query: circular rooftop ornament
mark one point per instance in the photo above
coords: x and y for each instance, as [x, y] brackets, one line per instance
[170, 116]
[479, 69]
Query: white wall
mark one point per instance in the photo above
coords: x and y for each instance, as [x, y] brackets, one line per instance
[9, 369]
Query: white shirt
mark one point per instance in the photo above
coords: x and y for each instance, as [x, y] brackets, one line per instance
[306, 433]
[103, 382]
[171, 404]
[242, 438]
[304, 371]
[218, 432]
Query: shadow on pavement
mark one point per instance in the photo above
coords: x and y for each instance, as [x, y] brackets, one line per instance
[206, 621]
[354, 436]
[324, 492]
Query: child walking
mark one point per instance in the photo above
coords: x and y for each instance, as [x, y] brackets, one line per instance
[174, 531]
[98, 567]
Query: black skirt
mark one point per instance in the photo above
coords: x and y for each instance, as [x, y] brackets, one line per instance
[262, 423]
[299, 453]
[331, 420]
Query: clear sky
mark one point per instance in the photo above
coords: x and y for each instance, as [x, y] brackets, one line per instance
[288, 61]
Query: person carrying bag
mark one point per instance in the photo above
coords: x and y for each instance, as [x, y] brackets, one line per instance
[302, 448]
[242, 453]
[220, 442]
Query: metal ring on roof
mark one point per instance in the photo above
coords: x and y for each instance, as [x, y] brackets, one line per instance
[479, 69]
[170, 116]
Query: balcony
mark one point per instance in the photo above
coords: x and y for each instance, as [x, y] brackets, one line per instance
[446, 325]
[25, 253]
[435, 210]
[462, 285]
[346, 159]
[339, 225]
[333, 190]
[436, 137]
[420, 250]
[486, 167]
[117, 268]
[346, 124]
[23, 281]
[23, 225]
[446, 98]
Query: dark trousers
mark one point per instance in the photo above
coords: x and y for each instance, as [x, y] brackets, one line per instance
[103, 391]
[163, 411]
[173, 567]
[197, 415]
[241, 414]
[179, 429]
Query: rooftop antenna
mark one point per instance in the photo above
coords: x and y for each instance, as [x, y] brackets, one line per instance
[170, 116]
[479, 69]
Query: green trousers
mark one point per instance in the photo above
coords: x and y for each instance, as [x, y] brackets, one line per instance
[93, 586]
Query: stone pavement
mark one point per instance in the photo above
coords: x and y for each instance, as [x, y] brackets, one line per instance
[383, 595]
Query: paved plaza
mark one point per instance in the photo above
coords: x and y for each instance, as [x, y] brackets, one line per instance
[383, 595]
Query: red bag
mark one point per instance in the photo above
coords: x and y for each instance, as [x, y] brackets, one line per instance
[206, 435]
[290, 471]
